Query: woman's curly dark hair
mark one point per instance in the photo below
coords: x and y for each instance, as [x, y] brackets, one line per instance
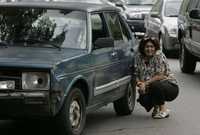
[147, 39]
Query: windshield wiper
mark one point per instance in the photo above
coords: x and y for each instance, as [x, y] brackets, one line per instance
[148, 4]
[5, 44]
[172, 16]
[36, 41]
[139, 4]
[133, 4]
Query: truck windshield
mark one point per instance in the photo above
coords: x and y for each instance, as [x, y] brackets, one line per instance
[141, 2]
[43, 27]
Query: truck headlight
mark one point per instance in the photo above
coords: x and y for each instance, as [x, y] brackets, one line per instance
[35, 81]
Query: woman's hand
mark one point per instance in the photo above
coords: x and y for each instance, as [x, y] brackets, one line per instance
[157, 78]
[142, 87]
[160, 77]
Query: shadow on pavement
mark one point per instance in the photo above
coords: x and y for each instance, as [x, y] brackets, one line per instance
[26, 128]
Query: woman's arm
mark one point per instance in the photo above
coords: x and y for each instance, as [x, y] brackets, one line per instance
[161, 67]
[155, 78]
[143, 84]
[141, 87]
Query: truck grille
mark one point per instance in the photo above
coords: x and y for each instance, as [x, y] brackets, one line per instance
[11, 75]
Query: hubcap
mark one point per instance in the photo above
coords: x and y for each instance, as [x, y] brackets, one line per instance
[75, 114]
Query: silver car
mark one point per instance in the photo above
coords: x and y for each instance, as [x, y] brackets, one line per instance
[136, 10]
[162, 23]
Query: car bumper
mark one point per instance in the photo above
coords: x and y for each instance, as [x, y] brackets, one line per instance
[137, 26]
[24, 105]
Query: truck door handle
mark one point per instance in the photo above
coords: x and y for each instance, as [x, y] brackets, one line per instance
[113, 54]
[132, 50]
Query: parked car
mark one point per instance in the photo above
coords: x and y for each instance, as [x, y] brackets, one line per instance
[189, 35]
[120, 4]
[136, 10]
[60, 60]
[162, 24]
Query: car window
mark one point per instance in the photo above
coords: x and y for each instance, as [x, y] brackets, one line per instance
[172, 8]
[78, 1]
[40, 27]
[157, 6]
[141, 2]
[125, 31]
[184, 7]
[192, 4]
[99, 28]
[198, 6]
[114, 25]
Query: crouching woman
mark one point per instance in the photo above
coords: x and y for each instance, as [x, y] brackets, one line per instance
[156, 84]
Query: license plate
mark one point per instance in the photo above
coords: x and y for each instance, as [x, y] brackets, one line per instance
[4, 85]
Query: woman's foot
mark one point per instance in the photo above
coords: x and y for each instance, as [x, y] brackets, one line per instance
[162, 114]
[155, 111]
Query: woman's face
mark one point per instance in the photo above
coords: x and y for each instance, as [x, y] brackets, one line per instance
[149, 49]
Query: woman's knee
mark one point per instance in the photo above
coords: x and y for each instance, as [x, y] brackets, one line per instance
[172, 93]
[155, 86]
[165, 90]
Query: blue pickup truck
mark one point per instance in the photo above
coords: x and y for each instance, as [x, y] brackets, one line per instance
[61, 60]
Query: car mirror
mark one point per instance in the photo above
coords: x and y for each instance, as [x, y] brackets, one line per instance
[118, 4]
[155, 14]
[103, 43]
[194, 14]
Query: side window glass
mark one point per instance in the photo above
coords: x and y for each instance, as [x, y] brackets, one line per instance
[192, 4]
[157, 6]
[99, 29]
[114, 25]
[125, 32]
[184, 6]
[198, 5]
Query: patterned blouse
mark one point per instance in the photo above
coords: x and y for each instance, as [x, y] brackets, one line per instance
[156, 65]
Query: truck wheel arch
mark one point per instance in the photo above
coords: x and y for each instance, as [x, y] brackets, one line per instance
[78, 82]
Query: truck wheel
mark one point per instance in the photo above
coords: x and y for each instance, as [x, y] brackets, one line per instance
[186, 60]
[126, 104]
[71, 119]
[162, 46]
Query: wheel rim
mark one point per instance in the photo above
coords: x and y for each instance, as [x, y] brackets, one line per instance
[130, 97]
[75, 114]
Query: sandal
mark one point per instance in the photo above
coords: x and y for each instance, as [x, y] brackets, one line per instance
[162, 115]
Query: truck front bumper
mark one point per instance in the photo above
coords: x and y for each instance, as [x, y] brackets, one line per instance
[24, 104]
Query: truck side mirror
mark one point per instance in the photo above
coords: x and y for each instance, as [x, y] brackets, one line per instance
[118, 4]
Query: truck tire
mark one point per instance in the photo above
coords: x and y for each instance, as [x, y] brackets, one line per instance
[126, 104]
[162, 45]
[186, 60]
[71, 119]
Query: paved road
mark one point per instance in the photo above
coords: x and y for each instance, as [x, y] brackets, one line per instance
[184, 119]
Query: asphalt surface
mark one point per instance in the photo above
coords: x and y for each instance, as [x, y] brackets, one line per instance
[184, 118]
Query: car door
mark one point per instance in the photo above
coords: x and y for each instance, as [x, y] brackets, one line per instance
[122, 42]
[104, 59]
[154, 21]
[194, 29]
[127, 56]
